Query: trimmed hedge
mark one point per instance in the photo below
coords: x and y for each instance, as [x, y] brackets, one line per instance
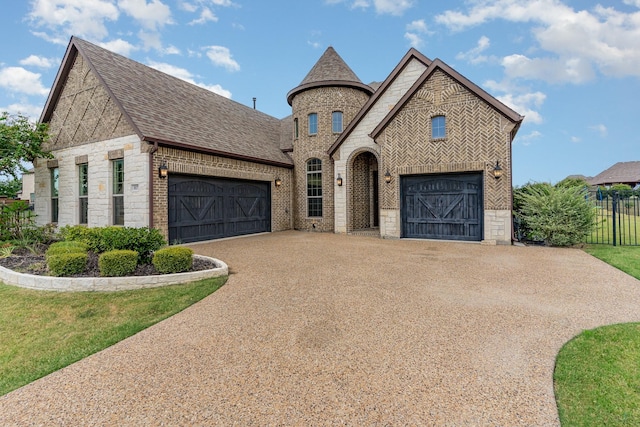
[67, 264]
[65, 247]
[117, 263]
[175, 259]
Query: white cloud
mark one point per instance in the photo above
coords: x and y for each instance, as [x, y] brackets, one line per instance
[39, 61]
[84, 18]
[152, 15]
[474, 55]
[189, 7]
[221, 56]
[575, 139]
[20, 80]
[120, 46]
[575, 42]
[171, 50]
[206, 15]
[519, 99]
[414, 30]
[601, 129]
[635, 3]
[28, 110]
[391, 7]
[529, 138]
[187, 76]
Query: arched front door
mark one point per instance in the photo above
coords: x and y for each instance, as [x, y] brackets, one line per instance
[364, 212]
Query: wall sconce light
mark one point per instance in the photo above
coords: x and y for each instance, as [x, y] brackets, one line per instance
[387, 177]
[497, 170]
[278, 182]
[163, 170]
[339, 181]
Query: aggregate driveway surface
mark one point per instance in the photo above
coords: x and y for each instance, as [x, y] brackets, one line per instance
[324, 329]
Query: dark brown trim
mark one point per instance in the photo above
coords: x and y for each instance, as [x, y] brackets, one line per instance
[203, 150]
[437, 64]
[406, 59]
[326, 83]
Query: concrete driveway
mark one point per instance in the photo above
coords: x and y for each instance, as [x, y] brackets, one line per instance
[324, 329]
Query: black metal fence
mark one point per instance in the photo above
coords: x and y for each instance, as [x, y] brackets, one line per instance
[617, 219]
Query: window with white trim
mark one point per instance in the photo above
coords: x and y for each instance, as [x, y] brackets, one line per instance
[118, 192]
[314, 188]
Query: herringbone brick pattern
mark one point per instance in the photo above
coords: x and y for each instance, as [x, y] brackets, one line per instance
[476, 136]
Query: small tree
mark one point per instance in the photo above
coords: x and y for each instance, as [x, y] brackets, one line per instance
[21, 141]
[558, 215]
[10, 187]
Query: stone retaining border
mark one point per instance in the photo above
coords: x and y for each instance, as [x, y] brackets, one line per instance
[109, 284]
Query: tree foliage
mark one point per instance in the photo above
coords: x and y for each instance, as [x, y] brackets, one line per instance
[558, 215]
[10, 187]
[21, 141]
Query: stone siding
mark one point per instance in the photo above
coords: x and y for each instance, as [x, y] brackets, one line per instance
[100, 205]
[194, 163]
[322, 101]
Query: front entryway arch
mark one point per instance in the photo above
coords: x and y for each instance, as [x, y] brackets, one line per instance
[363, 212]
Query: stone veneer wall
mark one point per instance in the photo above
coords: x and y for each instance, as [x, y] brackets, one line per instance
[359, 141]
[99, 156]
[193, 163]
[323, 101]
[476, 136]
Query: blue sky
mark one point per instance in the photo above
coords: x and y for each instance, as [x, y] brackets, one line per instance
[571, 67]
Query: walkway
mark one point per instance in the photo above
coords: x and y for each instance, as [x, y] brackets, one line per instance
[324, 329]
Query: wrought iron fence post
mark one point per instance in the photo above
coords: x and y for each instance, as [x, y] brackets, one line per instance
[614, 205]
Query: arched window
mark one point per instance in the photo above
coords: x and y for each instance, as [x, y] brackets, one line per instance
[313, 123]
[314, 188]
[336, 121]
[438, 127]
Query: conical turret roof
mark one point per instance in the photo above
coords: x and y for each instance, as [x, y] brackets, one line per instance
[330, 70]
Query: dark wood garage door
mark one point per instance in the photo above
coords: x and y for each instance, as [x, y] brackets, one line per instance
[212, 208]
[442, 206]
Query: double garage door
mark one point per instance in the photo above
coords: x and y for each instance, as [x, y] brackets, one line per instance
[203, 208]
[442, 206]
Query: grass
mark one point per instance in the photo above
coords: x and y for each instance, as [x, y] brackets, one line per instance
[627, 229]
[42, 332]
[597, 374]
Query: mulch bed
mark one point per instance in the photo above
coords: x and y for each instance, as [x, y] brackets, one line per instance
[24, 261]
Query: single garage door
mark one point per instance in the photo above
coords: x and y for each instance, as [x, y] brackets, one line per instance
[211, 208]
[442, 206]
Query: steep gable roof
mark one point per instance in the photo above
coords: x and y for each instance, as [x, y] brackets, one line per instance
[380, 89]
[164, 109]
[437, 64]
[330, 70]
[621, 172]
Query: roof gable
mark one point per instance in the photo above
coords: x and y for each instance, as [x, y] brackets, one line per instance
[437, 64]
[167, 110]
[412, 54]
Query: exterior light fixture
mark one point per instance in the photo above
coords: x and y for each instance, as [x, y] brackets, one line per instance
[163, 171]
[339, 181]
[278, 182]
[497, 170]
[387, 177]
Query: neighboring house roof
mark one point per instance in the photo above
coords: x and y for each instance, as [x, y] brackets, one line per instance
[330, 70]
[620, 173]
[438, 64]
[379, 91]
[167, 110]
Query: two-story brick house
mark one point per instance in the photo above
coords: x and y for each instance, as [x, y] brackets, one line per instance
[413, 156]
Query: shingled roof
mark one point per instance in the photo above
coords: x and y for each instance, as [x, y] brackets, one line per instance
[330, 70]
[620, 173]
[164, 109]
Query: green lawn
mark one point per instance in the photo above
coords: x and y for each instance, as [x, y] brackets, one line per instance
[597, 374]
[41, 332]
[627, 228]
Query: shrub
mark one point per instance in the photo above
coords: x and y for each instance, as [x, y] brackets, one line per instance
[67, 264]
[559, 216]
[175, 259]
[61, 248]
[120, 262]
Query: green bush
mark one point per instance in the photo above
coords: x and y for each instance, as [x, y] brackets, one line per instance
[102, 239]
[67, 264]
[175, 259]
[61, 248]
[120, 262]
[559, 216]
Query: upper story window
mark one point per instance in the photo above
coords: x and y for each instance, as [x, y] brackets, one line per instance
[83, 192]
[313, 123]
[118, 192]
[55, 191]
[314, 188]
[438, 127]
[336, 121]
[295, 128]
